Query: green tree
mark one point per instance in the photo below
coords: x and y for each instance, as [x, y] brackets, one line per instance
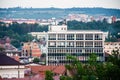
[65, 78]
[113, 66]
[48, 75]
[15, 42]
[1, 49]
[101, 71]
[19, 32]
[94, 70]
[88, 71]
[115, 58]
[90, 67]
[75, 68]
[36, 60]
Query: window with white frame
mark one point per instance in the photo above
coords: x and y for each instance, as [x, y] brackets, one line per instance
[52, 36]
[79, 44]
[88, 36]
[61, 44]
[61, 36]
[70, 44]
[52, 44]
[89, 44]
[70, 36]
[79, 37]
[98, 43]
[98, 36]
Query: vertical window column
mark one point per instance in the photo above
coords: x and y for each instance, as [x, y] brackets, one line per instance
[56, 40]
[74, 40]
[84, 39]
[65, 40]
[93, 40]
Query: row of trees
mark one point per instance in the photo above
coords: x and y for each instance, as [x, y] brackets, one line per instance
[92, 70]
[95, 25]
[20, 29]
[113, 28]
[19, 32]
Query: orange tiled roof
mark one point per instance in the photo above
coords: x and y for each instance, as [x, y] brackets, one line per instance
[59, 70]
[54, 69]
[36, 55]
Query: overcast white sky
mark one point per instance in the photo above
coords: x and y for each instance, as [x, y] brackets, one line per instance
[60, 3]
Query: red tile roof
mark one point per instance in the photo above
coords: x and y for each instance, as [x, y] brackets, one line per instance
[59, 70]
[54, 69]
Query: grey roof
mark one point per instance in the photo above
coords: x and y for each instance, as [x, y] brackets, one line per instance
[5, 60]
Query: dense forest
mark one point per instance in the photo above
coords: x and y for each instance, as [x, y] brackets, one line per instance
[19, 32]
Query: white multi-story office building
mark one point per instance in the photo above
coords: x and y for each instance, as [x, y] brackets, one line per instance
[79, 43]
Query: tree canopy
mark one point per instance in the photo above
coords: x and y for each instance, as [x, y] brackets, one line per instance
[19, 32]
[92, 70]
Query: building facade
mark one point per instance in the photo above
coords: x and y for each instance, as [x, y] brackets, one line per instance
[31, 49]
[79, 43]
[110, 46]
[10, 68]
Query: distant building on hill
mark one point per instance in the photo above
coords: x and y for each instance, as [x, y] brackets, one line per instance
[110, 46]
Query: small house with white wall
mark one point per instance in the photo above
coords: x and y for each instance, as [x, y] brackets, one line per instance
[10, 68]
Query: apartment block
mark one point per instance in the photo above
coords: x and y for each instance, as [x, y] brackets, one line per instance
[79, 43]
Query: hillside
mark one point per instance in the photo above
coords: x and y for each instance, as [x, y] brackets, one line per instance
[45, 13]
